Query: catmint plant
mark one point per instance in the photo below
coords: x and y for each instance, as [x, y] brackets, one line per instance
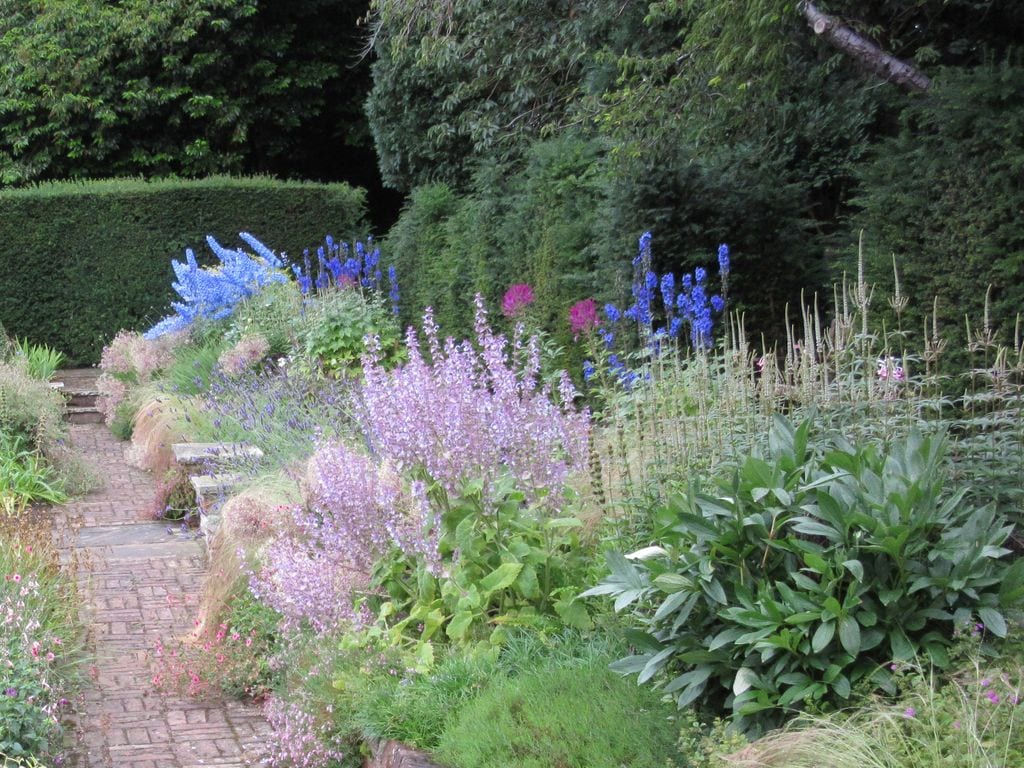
[356, 510]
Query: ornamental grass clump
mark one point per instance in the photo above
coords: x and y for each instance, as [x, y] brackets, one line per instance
[129, 361]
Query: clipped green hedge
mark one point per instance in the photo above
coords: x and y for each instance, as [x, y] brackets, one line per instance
[81, 260]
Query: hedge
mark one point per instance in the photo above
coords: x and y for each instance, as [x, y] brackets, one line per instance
[81, 260]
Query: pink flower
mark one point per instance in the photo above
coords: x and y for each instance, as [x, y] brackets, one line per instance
[583, 317]
[910, 713]
[516, 299]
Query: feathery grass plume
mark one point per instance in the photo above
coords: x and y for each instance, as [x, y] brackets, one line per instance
[247, 352]
[250, 519]
[160, 421]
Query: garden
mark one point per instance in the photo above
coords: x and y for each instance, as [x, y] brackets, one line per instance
[675, 420]
[691, 543]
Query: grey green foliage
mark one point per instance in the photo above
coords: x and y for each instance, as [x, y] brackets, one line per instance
[807, 572]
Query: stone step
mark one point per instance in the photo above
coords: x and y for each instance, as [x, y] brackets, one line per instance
[200, 454]
[81, 398]
[211, 492]
[83, 414]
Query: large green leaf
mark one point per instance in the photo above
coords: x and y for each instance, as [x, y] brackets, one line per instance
[500, 578]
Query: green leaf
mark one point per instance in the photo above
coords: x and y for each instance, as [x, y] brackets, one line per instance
[849, 635]
[714, 590]
[816, 563]
[856, 568]
[500, 578]
[573, 613]
[831, 605]
[564, 522]
[841, 686]
[527, 584]
[795, 693]
[672, 582]
[803, 617]
[654, 665]
[431, 623]
[901, 647]
[459, 625]
[745, 679]
[823, 636]
[993, 621]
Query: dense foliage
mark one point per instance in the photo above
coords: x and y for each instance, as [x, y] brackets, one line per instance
[805, 574]
[702, 121]
[95, 257]
[91, 89]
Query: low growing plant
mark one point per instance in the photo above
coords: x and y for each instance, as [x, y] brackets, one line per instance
[41, 361]
[501, 563]
[580, 716]
[38, 629]
[807, 572]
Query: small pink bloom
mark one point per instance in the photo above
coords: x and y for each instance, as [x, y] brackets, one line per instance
[516, 299]
[910, 713]
[583, 316]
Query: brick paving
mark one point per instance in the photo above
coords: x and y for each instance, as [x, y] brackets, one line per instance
[139, 584]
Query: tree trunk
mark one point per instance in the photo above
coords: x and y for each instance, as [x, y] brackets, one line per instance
[867, 53]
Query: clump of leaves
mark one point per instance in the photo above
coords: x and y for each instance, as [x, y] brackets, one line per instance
[807, 572]
[337, 324]
[504, 563]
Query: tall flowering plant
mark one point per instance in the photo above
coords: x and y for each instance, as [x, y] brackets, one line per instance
[213, 292]
[473, 411]
[664, 310]
[356, 509]
[340, 266]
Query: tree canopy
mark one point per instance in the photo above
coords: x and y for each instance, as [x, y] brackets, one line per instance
[156, 87]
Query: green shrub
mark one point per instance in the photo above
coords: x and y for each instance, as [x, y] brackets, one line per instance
[40, 360]
[335, 325]
[576, 717]
[805, 574]
[95, 257]
[944, 195]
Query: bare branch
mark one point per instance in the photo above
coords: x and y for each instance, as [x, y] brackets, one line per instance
[883, 64]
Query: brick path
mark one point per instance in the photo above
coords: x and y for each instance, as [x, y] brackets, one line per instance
[139, 584]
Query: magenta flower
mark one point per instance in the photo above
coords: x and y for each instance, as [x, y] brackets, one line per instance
[583, 317]
[910, 713]
[516, 299]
